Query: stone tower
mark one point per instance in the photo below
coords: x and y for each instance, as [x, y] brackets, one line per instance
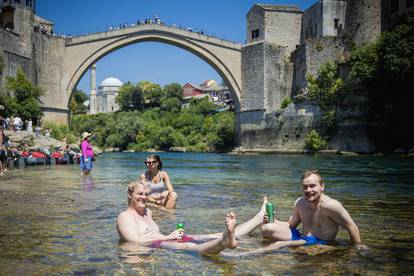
[273, 32]
[92, 96]
[363, 21]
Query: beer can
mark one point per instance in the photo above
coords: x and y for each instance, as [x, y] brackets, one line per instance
[270, 212]
[179, 226]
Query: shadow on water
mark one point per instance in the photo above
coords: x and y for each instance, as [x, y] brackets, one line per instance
[52, 221]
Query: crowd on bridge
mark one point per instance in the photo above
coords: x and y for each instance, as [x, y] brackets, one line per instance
[154, 20]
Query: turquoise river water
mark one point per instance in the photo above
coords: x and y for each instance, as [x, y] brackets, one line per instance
[81, 239]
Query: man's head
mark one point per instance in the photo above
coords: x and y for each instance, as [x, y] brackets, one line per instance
[138, 193]
[312, 185]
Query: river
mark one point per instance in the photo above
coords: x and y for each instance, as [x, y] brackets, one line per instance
[79, 237]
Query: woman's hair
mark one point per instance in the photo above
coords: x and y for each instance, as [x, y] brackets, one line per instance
[157, 158]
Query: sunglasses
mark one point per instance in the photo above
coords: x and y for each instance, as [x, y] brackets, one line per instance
[150, 162]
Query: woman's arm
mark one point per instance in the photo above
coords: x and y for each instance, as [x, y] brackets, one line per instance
[167, 181]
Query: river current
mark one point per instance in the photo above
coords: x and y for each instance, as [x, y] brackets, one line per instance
[377, 191]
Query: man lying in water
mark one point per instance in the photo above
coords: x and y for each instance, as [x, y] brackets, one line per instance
[319, 214]
[135, 224]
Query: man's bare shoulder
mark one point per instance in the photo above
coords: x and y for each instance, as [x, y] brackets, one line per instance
[125, 215]
[331, 204]
[299, 202]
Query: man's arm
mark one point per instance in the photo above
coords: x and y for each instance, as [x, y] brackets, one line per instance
[127, 228]
[294, 219]
[341, 216]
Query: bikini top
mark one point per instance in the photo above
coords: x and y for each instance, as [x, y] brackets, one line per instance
[156, 188]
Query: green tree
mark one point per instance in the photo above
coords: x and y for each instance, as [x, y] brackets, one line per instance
[76, 105]
[23, 98]
[130, 97]
[152, 93]
[173, 90]
[325, 87]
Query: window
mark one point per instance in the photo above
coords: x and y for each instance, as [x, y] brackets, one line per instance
[255, 33]
[29, 3]
[394, 5]
[336, 23]
[17, 1]
[410, 3]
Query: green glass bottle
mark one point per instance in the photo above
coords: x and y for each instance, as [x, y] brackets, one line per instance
[270, 212]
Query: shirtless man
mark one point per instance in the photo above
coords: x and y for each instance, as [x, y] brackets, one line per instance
[135, 224]
[319, 214]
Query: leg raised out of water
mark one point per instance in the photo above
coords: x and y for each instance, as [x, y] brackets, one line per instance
[228, 239]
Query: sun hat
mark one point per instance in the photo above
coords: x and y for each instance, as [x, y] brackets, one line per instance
[85, 134]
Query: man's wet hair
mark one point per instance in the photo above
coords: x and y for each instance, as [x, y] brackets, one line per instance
[306, 174]
[134, 185]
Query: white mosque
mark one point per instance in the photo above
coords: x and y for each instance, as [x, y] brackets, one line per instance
[103, 100]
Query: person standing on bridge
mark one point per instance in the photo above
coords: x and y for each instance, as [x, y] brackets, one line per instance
[87, 154]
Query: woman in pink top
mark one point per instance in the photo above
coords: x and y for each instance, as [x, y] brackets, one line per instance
[87, 154]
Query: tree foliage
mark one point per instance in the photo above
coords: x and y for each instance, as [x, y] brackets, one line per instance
[385, 70]
[160, 128]
[76, 105]
[21, 98]
[324, 88]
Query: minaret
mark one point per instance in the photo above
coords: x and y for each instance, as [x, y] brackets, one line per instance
[92, 95]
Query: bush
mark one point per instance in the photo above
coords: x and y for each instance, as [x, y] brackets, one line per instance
[315, 141]
[285, 102]
[59, 132]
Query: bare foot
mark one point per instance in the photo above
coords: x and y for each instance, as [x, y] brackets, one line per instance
[229, 236]
[262, 210]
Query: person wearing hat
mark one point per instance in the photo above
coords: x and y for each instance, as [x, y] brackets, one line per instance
[87, 154]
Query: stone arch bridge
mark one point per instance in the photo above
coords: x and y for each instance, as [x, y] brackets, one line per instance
[81, 52]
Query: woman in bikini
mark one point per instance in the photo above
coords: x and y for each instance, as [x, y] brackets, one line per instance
[162, 192]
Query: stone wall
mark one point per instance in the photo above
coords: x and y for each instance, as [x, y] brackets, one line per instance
[252, 67]
[255, 21]
[48, 59]
[284, 130]
[312, 22]
[278, 75]
[333, 9]
[283, 27]
[310, 56]
[363, 19]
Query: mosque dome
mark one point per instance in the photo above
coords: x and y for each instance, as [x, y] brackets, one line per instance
[111, 82]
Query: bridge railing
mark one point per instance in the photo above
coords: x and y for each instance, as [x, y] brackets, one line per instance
[132, 26]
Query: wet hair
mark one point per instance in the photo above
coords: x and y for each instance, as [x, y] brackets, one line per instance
[157, 158]
[134, 185]
[306, 174]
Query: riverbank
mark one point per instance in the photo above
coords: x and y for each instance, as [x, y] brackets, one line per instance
[241, 150]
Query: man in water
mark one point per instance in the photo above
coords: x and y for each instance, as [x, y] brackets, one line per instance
[319, 214]
[135, 224]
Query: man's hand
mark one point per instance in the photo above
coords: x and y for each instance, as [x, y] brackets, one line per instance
[266, 218]
[361, 246]
[176, 234]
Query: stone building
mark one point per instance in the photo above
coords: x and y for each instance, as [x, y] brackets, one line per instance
[324, 18]
[105, 96]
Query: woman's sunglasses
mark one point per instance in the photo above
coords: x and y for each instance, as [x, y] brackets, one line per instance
[149, 162]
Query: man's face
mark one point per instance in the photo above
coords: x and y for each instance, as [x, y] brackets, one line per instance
[139, 197]
[312, 188]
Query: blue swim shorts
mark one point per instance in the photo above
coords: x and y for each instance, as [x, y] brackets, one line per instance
[86, 165]
[310, 240]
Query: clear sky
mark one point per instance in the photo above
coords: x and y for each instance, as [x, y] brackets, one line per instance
[156, 62]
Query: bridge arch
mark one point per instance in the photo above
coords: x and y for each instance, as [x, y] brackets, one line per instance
[223, 56]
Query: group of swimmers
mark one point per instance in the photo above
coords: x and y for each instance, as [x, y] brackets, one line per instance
[319, 214]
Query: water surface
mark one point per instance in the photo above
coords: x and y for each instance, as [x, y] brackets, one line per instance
[79, 236]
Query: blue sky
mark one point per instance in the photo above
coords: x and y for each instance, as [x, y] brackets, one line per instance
[156, 62]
